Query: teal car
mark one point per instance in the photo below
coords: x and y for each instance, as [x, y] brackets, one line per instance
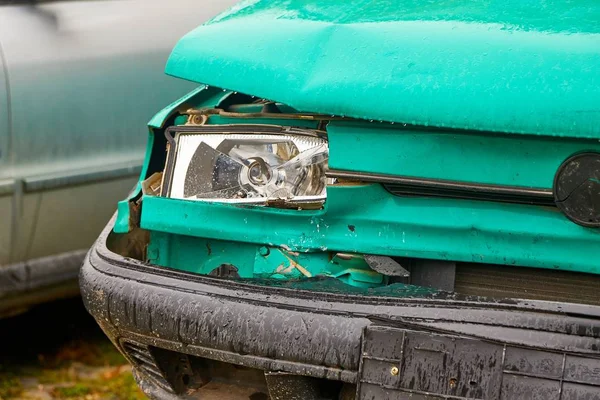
[367, 200]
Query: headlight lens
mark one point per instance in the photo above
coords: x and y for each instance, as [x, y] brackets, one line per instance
[249, 168]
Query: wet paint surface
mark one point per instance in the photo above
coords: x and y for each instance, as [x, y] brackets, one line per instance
[369, 220]
[479, 68]
[432, 228]
[244, 260]
[477, 157]
[524, 67]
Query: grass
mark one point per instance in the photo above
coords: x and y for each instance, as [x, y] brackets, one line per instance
[121, 387]
[103, 375]
[70, 358]
[10, 387]
[69, 392]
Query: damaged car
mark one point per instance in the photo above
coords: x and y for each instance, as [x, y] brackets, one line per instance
[379, 200]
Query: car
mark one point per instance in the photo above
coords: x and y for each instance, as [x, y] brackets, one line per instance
[78, 82]
[366, 200]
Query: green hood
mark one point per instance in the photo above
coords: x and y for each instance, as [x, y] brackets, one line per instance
[522, 66]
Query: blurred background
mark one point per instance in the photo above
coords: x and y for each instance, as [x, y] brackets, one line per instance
[79, 80]
[57, 351]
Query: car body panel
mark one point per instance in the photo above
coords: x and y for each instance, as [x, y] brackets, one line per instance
[432, 228]
[78, 82]
[202, 96]
[5, 184]
[367, 219]
[521, 67]
[4, 110]
[476, 157]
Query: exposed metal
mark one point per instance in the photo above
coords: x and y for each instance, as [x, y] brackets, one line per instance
[497, 232]
[386, 265]
[418, 227]
[204, 115]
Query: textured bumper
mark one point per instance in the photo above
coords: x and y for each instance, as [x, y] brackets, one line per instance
[321, 334]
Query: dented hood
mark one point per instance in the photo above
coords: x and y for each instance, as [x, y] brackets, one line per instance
[520, 66]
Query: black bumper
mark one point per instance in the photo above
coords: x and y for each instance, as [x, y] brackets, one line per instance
[468, 348]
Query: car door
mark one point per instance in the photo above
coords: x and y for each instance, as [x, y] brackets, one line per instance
[6, 183]
[85, 77]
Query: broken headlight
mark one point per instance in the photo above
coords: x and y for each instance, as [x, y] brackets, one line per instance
[248, 168]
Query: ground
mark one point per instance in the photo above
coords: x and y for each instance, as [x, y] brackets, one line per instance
[56, 351]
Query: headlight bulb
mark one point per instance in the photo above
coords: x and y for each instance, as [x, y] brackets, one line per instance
[259, 172]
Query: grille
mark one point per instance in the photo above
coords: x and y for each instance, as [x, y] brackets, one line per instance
[473, 192]
[412, 186]
[144, 360]
[527, 283]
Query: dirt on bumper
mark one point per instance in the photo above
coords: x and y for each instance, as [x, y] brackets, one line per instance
[381, 344]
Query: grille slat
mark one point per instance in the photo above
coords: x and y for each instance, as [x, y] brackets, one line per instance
[141, 356]
[527, 283]
[144, 360]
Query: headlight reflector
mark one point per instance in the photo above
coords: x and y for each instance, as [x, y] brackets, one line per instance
[248, 168]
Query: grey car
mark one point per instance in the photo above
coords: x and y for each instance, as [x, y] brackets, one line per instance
[78, 82]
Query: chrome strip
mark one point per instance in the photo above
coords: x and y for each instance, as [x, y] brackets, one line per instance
[65, 179]
[398, 184]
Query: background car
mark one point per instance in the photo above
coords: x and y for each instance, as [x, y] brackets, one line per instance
[78, 82]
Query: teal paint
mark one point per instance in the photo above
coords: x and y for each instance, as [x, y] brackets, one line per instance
[497, 92]
[519, 66]
[202, 255]
[200, 97]
[433, 228]
[514, 160]
[122, 222]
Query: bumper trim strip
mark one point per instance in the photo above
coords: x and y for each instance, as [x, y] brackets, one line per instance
[404, 185]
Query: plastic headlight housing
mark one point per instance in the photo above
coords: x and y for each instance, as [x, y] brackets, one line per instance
[248, 168]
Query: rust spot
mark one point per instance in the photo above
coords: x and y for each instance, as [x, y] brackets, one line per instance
[348, 182]
[453, 382]
[352, 228]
